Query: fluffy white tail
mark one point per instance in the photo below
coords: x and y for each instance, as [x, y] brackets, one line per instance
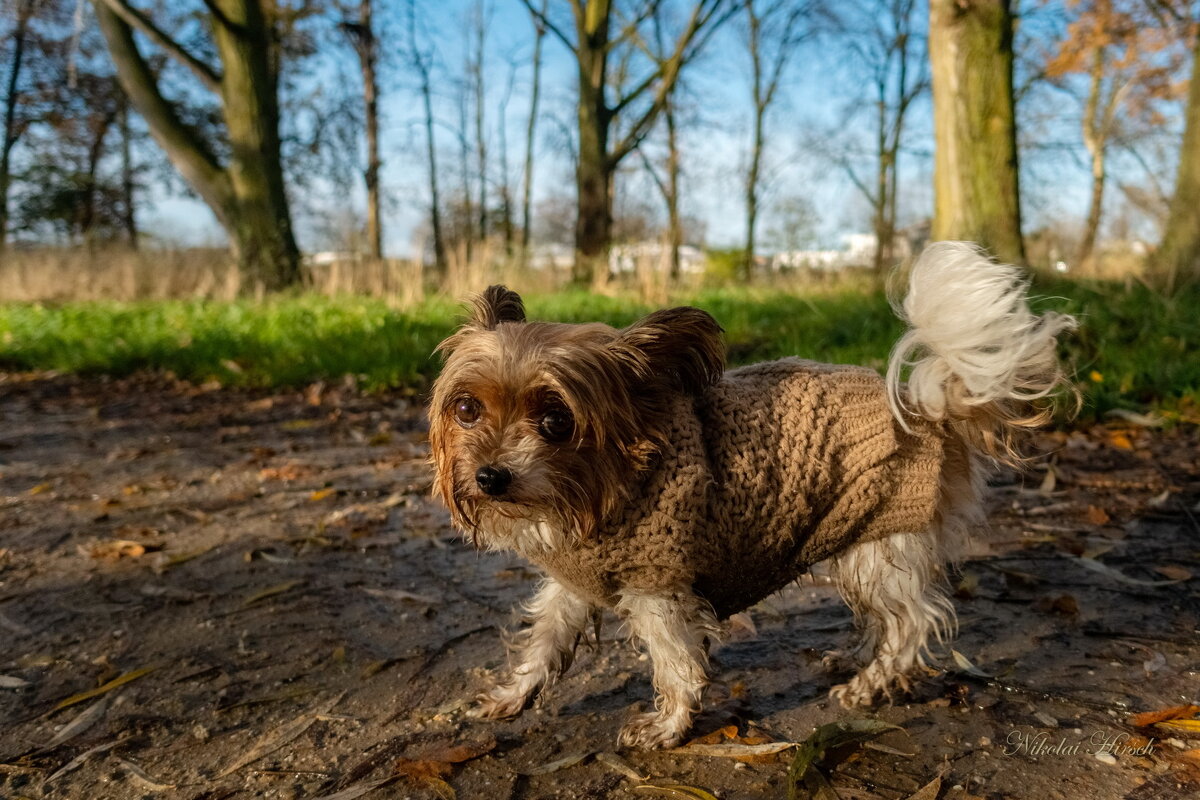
[974, 350]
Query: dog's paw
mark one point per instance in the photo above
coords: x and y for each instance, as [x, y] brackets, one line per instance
[653, 731]
[864, 688]
[500, 703]
[838, 660]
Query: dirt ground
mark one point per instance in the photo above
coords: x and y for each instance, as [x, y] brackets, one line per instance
[270, 605]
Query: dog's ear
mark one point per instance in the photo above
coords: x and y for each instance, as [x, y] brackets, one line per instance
[679, 345]
[496, 304]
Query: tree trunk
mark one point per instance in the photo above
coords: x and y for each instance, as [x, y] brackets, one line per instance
[594, 172]
[674, 226]
[246, 195]
[11, 99]
[262, 227]
[1177, 260]
[527, 183]
[366, 56]
[975, 167]
[480, 128]
[128, 205]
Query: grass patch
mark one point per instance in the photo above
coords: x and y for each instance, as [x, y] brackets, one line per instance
[1134, 348]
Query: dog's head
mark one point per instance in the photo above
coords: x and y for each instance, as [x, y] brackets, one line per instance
[538, 422]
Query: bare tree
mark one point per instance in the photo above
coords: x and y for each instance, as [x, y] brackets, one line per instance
[14, 126]
[887, 43]
[592, 43]
[976, 194]
[362, 35]
[774, 30]
[421, 60]
[245, 190]
[475, 68]
[539, 34]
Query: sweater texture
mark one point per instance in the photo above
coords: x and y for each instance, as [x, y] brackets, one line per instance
[776, 467]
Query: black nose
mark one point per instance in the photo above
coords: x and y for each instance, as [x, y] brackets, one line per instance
[493, 481]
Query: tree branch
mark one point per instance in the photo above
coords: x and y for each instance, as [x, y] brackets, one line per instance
[544, 21]
[210, 77]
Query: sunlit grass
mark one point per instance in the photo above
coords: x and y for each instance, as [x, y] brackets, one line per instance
[1134, 348]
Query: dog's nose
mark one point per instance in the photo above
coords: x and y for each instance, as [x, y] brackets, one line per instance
[492, 480]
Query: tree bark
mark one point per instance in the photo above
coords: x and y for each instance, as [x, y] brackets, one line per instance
[1177, 260]
[366, 45]
[246, 194]
[128, 188]
[975, 166]
[530, 130]
[422, 67]
[674, 224]
[480, 128]
[12, 98]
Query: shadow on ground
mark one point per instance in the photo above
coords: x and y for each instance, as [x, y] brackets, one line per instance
[292, 617]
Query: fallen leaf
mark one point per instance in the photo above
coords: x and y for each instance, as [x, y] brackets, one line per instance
[1150, 420]
[355, 792]
[556, 765]
[120, 680]
[278, 737]
[143, 778]
[734, 749]
[1174, 573]
[116, 549]
[86, 719]
[1147, 718]
[459, 753]
[1064, 604]
[13, 682]
[400, 594]
[272, 591]
[618, 764]
[41, 488]
[815, 755]
[1188, 726]
[1192, 756]
[322, 494]
[1115, 574]
[1097, 515]
[1048, 482]
[929, 791]
[964, 665]
[299, 424]
[78, 761]
[1120, 440]
[677, 790]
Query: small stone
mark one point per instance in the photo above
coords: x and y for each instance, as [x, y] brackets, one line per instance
[1106, 758]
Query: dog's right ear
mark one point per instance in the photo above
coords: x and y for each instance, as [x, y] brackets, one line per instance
[494, 305]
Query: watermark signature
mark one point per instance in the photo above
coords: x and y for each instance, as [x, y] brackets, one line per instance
[1044, 743]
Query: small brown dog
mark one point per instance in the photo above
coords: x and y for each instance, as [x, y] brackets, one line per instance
[642, 477]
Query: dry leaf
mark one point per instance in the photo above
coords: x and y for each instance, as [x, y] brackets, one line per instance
[1187, 726]
[733, 749]
[929, 791]
[86, 719]
[41, 488]
[1147, 718]
[1174, 573]
[1064, 604]
[677, 790]
[143, 778]
[120, 680]
[1120, 440]
[618, 764]
[78, 761]
[355, 792]
[278, 737]
[400, 594]
[1097, 515]
[1116, 574]
[277, 589]
[13, 682]
[116, 549]
[322, 494]
[556, 765]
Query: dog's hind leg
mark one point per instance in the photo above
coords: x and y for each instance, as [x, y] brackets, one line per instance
[541, 652]
[675, 630]
[896, 589]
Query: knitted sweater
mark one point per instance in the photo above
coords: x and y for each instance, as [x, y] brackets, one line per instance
[776, 467]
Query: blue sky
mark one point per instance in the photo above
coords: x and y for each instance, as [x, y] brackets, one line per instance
[816, 113]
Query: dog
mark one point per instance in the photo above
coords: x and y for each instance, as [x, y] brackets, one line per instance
[643, 477]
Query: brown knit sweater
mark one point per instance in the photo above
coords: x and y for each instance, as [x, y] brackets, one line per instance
[778, 466]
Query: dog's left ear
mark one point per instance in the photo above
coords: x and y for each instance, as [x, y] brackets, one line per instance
[496, 304]
[682, 345]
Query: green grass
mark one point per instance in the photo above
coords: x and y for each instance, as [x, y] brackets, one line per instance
[1134, 349]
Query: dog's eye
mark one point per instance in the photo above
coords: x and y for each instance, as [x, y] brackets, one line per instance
[557, 425]
[467, 411]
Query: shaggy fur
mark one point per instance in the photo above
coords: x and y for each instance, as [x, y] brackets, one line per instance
[642, 477]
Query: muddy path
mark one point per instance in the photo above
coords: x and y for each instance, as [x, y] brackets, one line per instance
[270, 605]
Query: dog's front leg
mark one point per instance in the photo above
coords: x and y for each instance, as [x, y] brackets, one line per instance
[541, 652]
[675, 629]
